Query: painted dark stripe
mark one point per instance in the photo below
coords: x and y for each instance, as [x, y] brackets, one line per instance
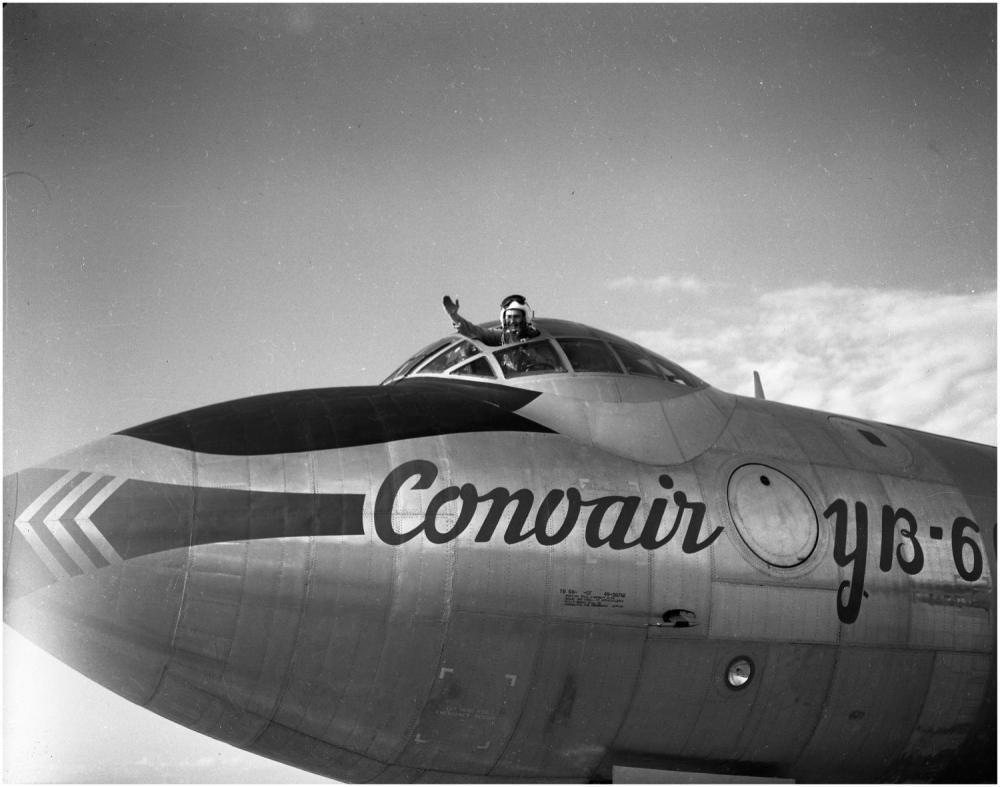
[327, 418]
[142, 518]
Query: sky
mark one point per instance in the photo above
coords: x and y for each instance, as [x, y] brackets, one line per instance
[206, 202]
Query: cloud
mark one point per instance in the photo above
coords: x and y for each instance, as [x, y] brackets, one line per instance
[687, 284]
[923, 360]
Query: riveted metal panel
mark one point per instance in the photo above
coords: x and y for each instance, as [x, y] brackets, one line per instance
[127, 457]
[281, 473]
[592, 388]
[443, 777]
[636, 431]
[227, 472]
[579, 693]
[207, 623]
[602, 584]
[890, 450]
[725, 711]
[869, 442]
[502, 578]
[354, 470]
[414, 635]
[298, 473]
[303, 751]
[114, 626]
[193, 690]
[818, 441]
[733, 560]
[754, 428]
[671, 690]
[947, 610]
[345, 625]
[793, 684]
[637, 388]
[763, 612]
[568, 417]
[490, 574]
[957, 687]
[481, 682]
[396, 774]
[267, 623]
[681, 584]
[942, 619]
[871, 711]
[696, 421]
[147, 594]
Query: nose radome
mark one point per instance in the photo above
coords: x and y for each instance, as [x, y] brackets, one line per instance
[206, 634]
[226, 593]
[67, 589]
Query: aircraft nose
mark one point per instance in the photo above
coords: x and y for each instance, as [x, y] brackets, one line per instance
[134, 581]
[68, 588]
[221, 568]
[201, 603]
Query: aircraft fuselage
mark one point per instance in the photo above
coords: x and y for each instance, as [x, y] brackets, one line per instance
[537, 580]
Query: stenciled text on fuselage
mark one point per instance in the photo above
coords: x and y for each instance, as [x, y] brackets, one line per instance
[607, 520]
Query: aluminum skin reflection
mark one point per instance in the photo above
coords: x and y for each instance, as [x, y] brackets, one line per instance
[442, 579]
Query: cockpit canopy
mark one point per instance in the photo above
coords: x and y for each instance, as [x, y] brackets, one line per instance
[561, 348]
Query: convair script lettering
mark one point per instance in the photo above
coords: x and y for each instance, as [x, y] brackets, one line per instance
[888, 534]
[606, 521]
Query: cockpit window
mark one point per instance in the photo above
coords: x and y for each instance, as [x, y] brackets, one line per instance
[560, 348]
[479, 367]
[536, 357]
[671, 372]
[408, 365]
[450, 357]
[636, 362]
[589, 355]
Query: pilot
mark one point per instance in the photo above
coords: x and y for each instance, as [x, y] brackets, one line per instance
[516, 327]
[515, 319]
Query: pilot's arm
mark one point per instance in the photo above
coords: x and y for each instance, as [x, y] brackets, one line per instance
[466, 328]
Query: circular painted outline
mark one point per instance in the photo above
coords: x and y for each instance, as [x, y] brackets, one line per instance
[746, 539]
[719, 496]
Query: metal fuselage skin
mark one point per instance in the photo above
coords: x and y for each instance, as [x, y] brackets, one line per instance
[452, 580]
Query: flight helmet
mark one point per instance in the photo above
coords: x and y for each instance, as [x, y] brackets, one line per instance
[517, 303]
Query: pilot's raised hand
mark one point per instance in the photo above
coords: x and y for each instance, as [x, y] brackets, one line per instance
[450, 306]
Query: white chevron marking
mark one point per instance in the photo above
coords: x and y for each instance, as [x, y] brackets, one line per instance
[54, 524]
[23, 523]
[39, 548]
[44, 498]
[90, 529]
